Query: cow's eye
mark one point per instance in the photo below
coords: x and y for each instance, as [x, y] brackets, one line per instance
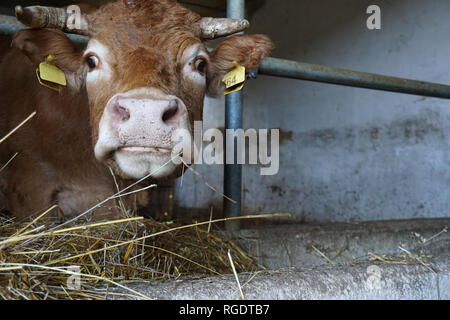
[92, 62]
[200, 65]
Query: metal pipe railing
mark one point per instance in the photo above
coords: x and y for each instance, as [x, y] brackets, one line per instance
[233, 120]
[317, 73]
[9, 26]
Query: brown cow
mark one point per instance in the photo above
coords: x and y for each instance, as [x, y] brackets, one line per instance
[143, 74]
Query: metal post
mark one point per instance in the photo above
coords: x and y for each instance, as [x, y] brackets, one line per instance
[233, 120]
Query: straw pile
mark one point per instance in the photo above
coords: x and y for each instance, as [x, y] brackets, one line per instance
[44, 261]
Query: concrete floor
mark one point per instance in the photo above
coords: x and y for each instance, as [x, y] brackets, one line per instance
[397, 282]
[331, 262]
[312, 245]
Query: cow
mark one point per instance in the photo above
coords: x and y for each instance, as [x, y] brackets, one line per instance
[143, 74]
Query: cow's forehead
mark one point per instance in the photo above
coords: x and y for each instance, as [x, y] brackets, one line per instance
[159, 25]
[144, 21]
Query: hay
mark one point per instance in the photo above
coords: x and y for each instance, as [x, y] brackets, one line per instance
[39, 261]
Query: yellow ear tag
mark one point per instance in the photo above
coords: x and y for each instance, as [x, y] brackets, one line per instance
[235, 79]
[50, 75]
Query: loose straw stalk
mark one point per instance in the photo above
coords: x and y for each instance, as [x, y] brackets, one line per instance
[18, 127]
[236, 275]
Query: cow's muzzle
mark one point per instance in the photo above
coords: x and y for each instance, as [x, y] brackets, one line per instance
[136, 131]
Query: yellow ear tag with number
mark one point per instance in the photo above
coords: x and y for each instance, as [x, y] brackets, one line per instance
[235, 79]
[50, 75]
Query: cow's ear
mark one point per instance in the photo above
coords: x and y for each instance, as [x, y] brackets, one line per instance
[37, 44]
[247, 50]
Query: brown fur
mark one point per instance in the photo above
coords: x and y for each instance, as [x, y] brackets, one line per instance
[56, 163]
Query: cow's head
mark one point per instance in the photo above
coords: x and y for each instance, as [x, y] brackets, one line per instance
[146, 69]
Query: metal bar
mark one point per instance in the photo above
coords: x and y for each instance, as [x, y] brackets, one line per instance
[233, 120]
[317, 73]
[9, 25]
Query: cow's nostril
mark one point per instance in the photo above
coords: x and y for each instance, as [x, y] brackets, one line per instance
[171, 112]
[122, 112]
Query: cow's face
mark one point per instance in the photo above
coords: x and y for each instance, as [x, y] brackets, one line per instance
[147, 70]
[143, 83]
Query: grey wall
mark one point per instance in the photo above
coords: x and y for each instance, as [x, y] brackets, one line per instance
[347, 154]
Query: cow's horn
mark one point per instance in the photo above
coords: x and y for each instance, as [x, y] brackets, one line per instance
[212, 28]
[69, 19]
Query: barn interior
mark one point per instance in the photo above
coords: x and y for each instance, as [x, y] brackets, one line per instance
[363, 173]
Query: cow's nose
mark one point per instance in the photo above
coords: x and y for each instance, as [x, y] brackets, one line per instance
[130, 111]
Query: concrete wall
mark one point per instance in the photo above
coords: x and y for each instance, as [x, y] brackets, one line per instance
[347, 154]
